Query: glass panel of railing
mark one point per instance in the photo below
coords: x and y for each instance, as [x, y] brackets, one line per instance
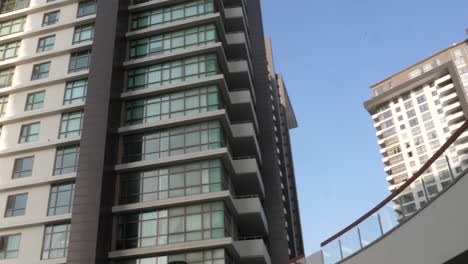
[370, 230]
[332, 252]
[388, 217]
[350, 242]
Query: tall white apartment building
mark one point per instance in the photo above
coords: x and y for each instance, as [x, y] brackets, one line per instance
[414, 112]
[143, 132]
[45, 49]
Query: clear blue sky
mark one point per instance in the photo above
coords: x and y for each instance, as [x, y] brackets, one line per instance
[330, 52]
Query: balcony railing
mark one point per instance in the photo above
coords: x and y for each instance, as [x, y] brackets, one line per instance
[437, 174]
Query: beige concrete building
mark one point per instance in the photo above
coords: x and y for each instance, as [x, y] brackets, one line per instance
[143, 132]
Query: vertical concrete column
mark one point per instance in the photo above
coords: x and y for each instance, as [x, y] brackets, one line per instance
[91, 225]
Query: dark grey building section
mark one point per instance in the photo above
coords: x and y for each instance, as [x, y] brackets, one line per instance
[91, 235]
[274, 206]
[95, 218]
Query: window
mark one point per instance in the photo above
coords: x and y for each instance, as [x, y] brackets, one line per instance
[35, 101]
[71, 124]
[408, 105]
[12, 26]
[172, 13]
[23, 167]
[3, 105]
[416, 131]
[173, 41]
[46, 43]
[409, 209]
[83, 33]
[9, 246]
[423, 108]
[216, 256]
[418, 140]
[385, 115]
[407, 198]
[172, 72]
[421, 99]
[411, 113]
[174, 225]
[398, 109]
[432, 135]
[413, 122]
[435, 144]
[51, 18]
[432, 190]
[75, 92]
[421, 150]
[9, 50]
[6, 76]
[79, 61]
[389, 132]
[175, 181]
[86, 8]
[189, 102]
[12, 5]
[55, 244]
[387, 124]
[173, 141]
[40, 71]
[61, 198]
[429, 125]
[16, 205]
[29, 132]
[66, 160]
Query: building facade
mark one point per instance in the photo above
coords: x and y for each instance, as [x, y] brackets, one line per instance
[143, 132]
[414, 112]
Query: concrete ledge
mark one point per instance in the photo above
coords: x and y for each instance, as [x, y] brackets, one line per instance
[171, 248]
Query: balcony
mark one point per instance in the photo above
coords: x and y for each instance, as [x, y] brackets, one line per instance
[252, 251]
[455, 118]
[245, 140]
[247, 176]
[449, 88]
[450, 109]
[250, 217]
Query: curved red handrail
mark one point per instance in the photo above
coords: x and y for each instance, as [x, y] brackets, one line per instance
[426, 165]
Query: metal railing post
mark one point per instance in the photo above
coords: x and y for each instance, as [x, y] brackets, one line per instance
[380, 224]
[449, 167]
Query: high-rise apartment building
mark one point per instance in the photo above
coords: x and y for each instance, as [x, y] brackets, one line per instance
[414, 112]
[143, 132]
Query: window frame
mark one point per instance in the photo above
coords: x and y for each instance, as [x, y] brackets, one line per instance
[45, 19]
[9, 74]
[17, 174]
[48, 237]
[4, 252]
[30, 106]
[10, 24]
[42, 45]
[69, 90]
[79, 30]
[27, 137]
[3, 105]
[6, 48]
[14, 208]
[86, 4]
[67, 119]
[54, 208]
[76, 58]
[38, 72]
[60, 155]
